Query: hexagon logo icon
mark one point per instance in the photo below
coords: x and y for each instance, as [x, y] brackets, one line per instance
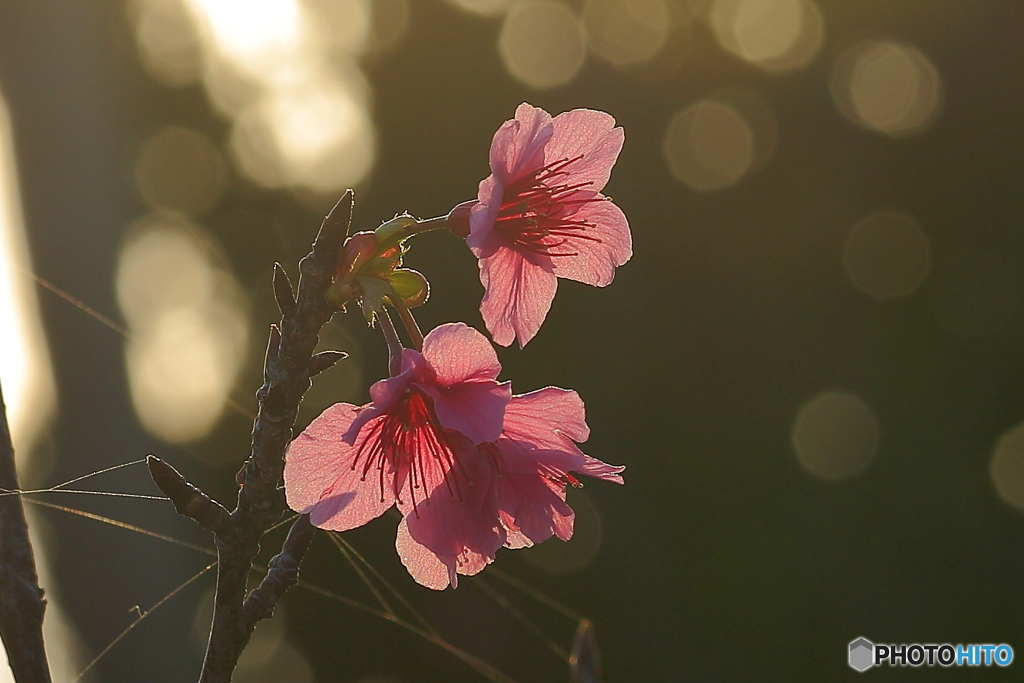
[862, 654]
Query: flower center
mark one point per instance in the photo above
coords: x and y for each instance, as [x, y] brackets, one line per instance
[537, 210]
[409, 441]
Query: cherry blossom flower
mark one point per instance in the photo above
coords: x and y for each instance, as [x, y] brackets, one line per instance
[534, 458]
[540, 216]
[414, 445]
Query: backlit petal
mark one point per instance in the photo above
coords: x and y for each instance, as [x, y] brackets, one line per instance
[518, 291]
[590, 134]
[320, 480]
[458, 353]
[424, 566]
[603, 246]
[518, 146]
[474, 409]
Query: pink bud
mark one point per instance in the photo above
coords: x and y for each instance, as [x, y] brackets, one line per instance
[359, 248]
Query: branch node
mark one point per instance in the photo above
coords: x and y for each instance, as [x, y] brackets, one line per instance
[282, 574]
[324, 361]
[273, 349]
[188, 500]
[283, 291]
[327, 247]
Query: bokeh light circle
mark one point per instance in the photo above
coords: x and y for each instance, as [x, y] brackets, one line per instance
[887, 87]
[713, 143]
[626, 32]
[776, 35]
[542, 43]
[482, 7]
[317, 135]
[179, 168]
[189, 327]
[887, 255]
[973, 294]
[835, 436]
[342, 25]
[168, 40]
[1007, 467]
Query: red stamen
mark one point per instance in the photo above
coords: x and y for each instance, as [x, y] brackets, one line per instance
[534, 214]
[401, 440]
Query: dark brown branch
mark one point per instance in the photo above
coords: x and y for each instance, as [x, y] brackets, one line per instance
[289, 365]
[188, 500]
[283, 572]
[283, 291]
[21, 599]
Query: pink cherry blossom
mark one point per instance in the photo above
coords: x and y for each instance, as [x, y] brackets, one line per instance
[414, 445]
[540, 216]
[534, 458]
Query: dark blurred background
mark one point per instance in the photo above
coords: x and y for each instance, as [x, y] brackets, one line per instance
[812, 366]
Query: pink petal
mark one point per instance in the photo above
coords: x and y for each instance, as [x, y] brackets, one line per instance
[591, 134]
[474, 409]
[482, 217]
[592, 467]
[542, 416]
[459, 519]
[514, 538]
[458, 353]
[595, 261]
[518, 146]
[531, 504]
[545, 424]
[386, 392]
[518, 291]
[424, 566]
[319, 478]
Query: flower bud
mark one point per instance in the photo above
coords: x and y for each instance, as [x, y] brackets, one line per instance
[411, 286]
[359, 248]
[458, 218]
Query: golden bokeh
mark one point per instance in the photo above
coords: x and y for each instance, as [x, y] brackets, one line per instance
[168, 40]
[482, 7]
[1007, 467]
[713, 143]
[887, 87]
[542, 43]
[259, 38]
[626, 32]
[776, 35]
[835, 435]
[285, 72]
[188, 326]
[887, 255]
[316, 135]
[180, 169]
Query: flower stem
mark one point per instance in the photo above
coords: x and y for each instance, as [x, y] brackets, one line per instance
[394, 343]
[427, 225]
[405, 313]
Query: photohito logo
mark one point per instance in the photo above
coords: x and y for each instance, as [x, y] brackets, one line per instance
[863, 654]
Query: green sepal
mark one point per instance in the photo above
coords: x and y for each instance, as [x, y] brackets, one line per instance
[372, 298]
[410, 286]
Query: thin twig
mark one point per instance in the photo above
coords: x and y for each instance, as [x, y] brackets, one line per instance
[288, 367]
[21, 599]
